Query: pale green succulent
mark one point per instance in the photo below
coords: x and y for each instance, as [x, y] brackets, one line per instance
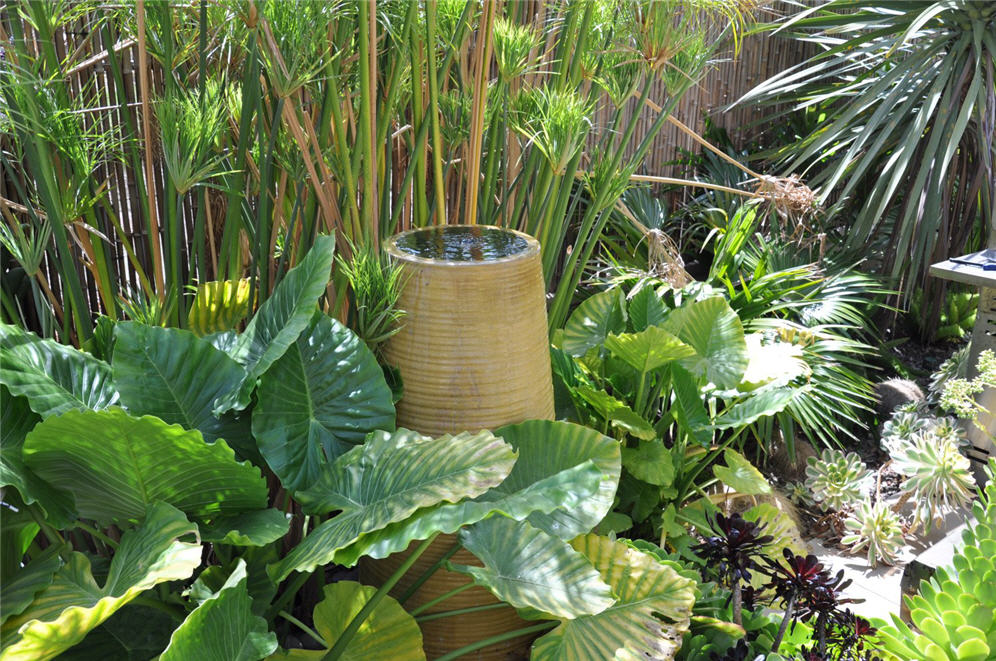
[835, 478]
[901, 428]
[947, 427]
[876, 528]
[937, 476]
[799, 493]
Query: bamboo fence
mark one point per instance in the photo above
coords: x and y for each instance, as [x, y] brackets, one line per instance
[732, 75]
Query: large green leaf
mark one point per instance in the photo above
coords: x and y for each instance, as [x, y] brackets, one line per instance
[547, 448]
[689, 411]
[646, 309]
[283, 316]
[567, 490]
[223, 627]
[617, 413]
[648, 619]
[53, 377]
[16, 420]
[115, 465]
[63, 613]
[649, 349]
[651, 462]
[389, 478]
[594, 320]
[388, 632]
[714, 330]
[256, 528]
[741, 475]
[772, 363]
[760, 405]
[134, 633]
[17, 592]
[529, 568]
[173, 375]
[325, 394]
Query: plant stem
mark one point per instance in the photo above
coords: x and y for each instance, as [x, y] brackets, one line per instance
[96, 533]
[441, 598]
[288, 594]
[785, 622]
[343, 642]
[460, 611]
[496, 639]
[303, 627]
[737, 603]
[437, 140]
[427, 574]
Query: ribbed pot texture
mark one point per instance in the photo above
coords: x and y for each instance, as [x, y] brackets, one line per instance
[473, 354]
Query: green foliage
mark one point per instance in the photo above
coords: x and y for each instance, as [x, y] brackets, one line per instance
[389, 632]
[651, 611]
[318, 400]
[173, 375]
[667, 390]
[141, 461]
[53, 377]
[219, 306]
[907, 142]
[222, 627]
[953, 612]
[73, 604]
[375, 286]
[514, 502]
[531, 569]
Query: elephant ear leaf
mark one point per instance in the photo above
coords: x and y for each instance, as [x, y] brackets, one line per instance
[741, 475]
[594, 320]
[324, 395]
[713, 329]
[547, 449]
[649, 349]
[283, 316]
[53, 377]
[257, 528]
[74, 604]
[388, 632]
[529, 568]
[173, 375]
[648, 619]
[18, 591]
[140, 461]
[386, 480]
[223, 627]
[16, 420]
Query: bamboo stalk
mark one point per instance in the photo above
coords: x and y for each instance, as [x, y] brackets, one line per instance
[482, 67]
[150, 187]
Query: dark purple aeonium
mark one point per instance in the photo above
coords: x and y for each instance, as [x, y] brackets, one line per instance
[808, 591]
[732, 551]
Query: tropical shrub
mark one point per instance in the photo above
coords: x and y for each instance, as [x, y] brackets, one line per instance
[906, 140]
[198, 485]
[666, 377]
